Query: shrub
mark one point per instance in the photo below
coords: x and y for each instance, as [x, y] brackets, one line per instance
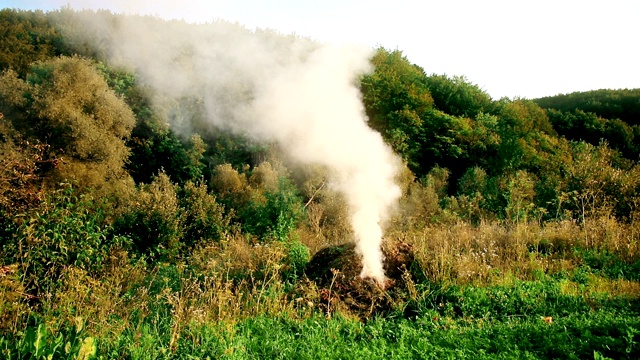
[67, 230]
[276, 215]
[21, 165]
[297, 258]
[205, 219]
[267, 203]
[154, 220]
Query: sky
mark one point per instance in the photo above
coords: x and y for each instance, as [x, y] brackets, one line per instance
[509, 48]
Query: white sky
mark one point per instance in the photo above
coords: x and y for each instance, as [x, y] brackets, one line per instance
[513, 48]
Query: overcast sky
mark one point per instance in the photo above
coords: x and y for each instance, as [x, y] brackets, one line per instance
[512, 48]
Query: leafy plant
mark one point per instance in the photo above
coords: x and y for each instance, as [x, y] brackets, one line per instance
[274, 214]
[297, 258]
[68, 230]
[39, 343]
[154, 220]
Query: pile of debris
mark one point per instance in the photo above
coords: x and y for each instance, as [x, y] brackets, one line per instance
[336, 272]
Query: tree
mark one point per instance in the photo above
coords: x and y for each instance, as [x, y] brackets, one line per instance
[396, 98]
[66, 104]
[457, 96]
[620, 104]
[591, 128]
[25, 37]
[526, 137]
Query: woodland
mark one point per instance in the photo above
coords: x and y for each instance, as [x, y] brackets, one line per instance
[122, 236]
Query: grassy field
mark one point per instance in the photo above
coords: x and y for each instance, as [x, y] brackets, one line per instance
[558, 297]
[520, 320]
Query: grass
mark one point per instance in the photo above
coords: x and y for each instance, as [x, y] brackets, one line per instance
[491, 290]
[576, 336]
[514, 319]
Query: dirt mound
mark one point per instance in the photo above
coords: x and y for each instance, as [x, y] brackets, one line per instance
[336, 270]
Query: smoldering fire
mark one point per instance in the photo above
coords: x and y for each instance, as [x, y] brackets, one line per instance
[303, 95]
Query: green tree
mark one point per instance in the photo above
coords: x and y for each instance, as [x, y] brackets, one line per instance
[620, 136]
[577, 125]
[396, 97]
[526, 136]
[479, 139]
[620, 104]
[457, 96]
[25, 37]
[66, 103]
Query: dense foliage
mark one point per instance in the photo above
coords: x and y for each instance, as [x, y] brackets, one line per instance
[594, 116]
[123, 235]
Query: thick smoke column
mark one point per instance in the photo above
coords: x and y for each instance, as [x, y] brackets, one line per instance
[314, 110]
[296, 92]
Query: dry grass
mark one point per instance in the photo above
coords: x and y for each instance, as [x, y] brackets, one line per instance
[463, 252]
[13, 300]
[237, 278]
[223, 282]
[598, 286]
[118, 297]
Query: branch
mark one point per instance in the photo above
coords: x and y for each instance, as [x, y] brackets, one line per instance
[314, 194]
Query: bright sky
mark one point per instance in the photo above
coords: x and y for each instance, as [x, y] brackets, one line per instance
[513, 48]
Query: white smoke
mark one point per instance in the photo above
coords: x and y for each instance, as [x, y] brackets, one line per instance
[296, 92]
[313, 109]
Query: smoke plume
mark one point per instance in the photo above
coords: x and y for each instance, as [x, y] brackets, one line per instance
[290, 90]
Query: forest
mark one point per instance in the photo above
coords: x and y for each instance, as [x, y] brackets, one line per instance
[138, 222]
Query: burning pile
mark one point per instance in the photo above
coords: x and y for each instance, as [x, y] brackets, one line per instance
[336, 271]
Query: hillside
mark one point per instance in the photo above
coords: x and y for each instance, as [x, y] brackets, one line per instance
[172, 190]
[609, 104]
[600, 115]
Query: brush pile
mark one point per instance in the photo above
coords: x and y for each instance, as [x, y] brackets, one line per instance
[336, 272]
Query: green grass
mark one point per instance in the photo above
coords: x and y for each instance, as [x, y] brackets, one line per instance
[234, 300]
[573, 337]
[504, 321]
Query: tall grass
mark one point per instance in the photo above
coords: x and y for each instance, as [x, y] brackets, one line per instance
[519, 289]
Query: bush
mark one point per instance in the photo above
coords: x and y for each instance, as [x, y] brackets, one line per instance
[165, 221]
[67, 230]
[21, 165]
[154, 220]
[276, 215]
[297, 258]
[267, 203]
[205, 219]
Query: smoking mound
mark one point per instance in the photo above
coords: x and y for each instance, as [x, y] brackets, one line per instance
[336, 271]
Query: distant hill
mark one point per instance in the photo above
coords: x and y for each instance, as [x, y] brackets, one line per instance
[623, 104]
